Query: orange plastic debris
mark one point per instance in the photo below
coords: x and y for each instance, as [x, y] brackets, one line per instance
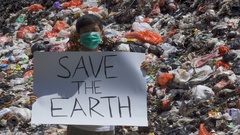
[222, 63]
[60, 25]
[25, 30]
[203, 130]
[146, 19]
[222, 50]
[164, 79]
[28, 74]
[75, 3]
[51, 34]
[35, 7]
[94, 9]
[166, 105]
[4, 62]
[146, 36]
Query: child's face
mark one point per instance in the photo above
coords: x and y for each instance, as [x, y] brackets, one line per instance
[91, 36]
[91, 28]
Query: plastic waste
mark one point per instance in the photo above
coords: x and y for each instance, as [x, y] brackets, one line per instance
[4, 111]
[181, 76]
[39, 47]
[60, 25]
[203, 130]
[123, 48]
[19, 115]
[198, 50]
[236, 66]
[141, 26]
[92, 10]
[202, 92]
[200, 74]
[168, 49]
[28, 74]
[92, 3]
[16, 81]
[235, 114]
[72, 3]
[57, 5]
[3, 40]
[164, 79]
[20, 19]
[146, 36]
[7, 30]
[35, 7]
[156, 50]
[25, 30]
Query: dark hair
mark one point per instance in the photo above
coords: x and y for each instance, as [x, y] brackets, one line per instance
[88, 19]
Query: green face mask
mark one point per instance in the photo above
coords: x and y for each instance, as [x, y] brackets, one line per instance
[91, 40]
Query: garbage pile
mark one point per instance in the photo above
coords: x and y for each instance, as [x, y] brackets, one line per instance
[192, 59]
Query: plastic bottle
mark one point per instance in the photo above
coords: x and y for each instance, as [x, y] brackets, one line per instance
[19, 115]
[4, 111]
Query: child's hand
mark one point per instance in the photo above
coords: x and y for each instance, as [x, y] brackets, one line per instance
[145, 66]
[33, 98]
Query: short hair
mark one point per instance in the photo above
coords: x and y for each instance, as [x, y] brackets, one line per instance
[88, 19]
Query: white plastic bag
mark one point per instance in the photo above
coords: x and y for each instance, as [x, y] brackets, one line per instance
[201, 92]
[141, 26]
[168, 49]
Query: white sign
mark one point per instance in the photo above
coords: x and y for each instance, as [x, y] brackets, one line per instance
[83, 88]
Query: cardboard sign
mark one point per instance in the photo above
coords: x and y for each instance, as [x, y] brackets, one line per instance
[89, 88]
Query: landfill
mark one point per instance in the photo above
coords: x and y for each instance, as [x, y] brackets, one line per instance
[192, 61]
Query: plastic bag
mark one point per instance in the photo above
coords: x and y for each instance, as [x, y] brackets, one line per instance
[57, 48]
[19, 115]
[76, 3]
[57, 5]
[20, 19]
[202, 73]
[25, 30]
[35, 7]
[157, 50]
[235, 44]
[222, 63]
[92, 3]
[164, 79]
[201, 92]
[181, 76]
[28, 74]
[60, 25]
[3, 39]
[136, 48]
[94, 9]
[136, 26]
[203, 130]
[146, 36]
[222, 50]
[51, 34]
[39, 47]
[168, 49]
